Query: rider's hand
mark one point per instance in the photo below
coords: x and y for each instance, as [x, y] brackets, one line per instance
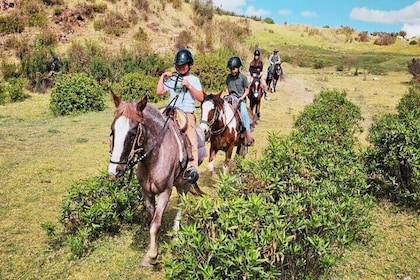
[166, 74]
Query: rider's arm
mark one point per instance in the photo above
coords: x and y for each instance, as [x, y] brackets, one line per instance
[246, 89]
[197, 94]
[160, 88]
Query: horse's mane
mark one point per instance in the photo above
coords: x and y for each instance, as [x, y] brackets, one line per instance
[218, 101]
[128, 109]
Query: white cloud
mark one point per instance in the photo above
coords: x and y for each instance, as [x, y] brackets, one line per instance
[408, 16]
[237, 7]
[411, 30]
[252, 11]
[285, 12]
[308, 14]
[230, 5]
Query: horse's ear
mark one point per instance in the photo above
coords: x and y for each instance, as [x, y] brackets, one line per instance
[219, 94]
[141, 104]
[117, 99]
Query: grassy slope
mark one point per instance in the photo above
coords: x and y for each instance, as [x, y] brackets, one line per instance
[40, 155]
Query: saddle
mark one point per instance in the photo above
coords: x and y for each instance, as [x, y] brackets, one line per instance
[235, 104]
[181, 121]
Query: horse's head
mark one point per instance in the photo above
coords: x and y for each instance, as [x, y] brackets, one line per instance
[126, 135]
[277, 69]
[211, 108]
[255, 88]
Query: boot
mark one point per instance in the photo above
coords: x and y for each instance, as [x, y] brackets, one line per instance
[249, 140]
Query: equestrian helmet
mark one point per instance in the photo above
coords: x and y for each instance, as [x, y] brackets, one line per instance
[234, 62]
[182, 57]
[257, 52]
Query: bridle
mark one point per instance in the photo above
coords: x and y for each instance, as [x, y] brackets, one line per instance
[136, 149]
[214, 119]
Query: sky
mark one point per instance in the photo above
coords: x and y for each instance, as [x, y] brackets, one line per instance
[362, 15]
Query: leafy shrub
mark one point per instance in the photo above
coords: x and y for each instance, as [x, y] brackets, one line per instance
[34, 12]
[393, 160]
[76, 93]
[211, 68]
[10, 69]
[136, 85]
[12, 91]
[414, 69]
[92, 207]
[287, 216]
[115, 24]
[12, 23]
[203, 11]
[15, 90]
[36, 65]
[385, 39]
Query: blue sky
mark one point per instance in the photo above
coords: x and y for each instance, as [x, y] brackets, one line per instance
[362, 15]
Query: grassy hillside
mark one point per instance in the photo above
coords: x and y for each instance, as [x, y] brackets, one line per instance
[41, 155]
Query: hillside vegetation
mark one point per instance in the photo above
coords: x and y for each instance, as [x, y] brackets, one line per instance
[52, 156]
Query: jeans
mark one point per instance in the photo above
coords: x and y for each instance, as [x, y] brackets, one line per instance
[245, 115]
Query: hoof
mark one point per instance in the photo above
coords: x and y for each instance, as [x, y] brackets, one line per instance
[148, 262]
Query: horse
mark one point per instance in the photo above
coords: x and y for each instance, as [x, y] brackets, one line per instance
[275, 73]
[255, 95]
[222, 126]
[141, 135]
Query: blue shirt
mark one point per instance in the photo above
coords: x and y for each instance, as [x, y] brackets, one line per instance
[185, 101]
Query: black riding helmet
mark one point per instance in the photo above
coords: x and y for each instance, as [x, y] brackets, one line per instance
[182, 57]
[257, 52]
[234, 62]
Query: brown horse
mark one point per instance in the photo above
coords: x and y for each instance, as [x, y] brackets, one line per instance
[273, 75]
[142, 135]
[255, 95]
[223, 127]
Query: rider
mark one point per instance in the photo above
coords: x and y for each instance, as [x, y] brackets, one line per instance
[255, 70]
[238, 87]
[185, 90]
[273, 59]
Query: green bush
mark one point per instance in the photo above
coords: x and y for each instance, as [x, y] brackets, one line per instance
[212, 70]
[92, 207]
[76, 93]
[15, 90]
[12, 91]
[136, 85]
[393, 159]
[289, 215]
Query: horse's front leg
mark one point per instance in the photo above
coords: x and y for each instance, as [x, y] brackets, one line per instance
[152, 253]
[228, 156]
[212, 155]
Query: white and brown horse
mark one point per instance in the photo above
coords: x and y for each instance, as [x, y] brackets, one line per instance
[141, 135]
[222, 126]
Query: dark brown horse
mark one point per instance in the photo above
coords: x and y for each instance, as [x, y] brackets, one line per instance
[274, 75]
[255, 95]
[142, 135]
[222, 126]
